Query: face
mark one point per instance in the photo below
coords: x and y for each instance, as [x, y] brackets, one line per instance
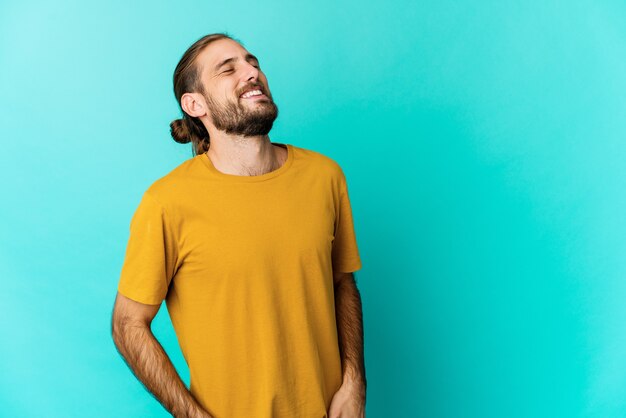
[228, 72]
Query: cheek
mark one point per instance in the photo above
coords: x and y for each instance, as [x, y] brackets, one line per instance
[228, 95]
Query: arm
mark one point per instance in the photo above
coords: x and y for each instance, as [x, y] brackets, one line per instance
[133, 338]
[350, 329]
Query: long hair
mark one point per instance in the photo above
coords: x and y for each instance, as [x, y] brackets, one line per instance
[187, 80]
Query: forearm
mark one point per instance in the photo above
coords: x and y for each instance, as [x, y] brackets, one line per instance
[151, 365]
[350, 332]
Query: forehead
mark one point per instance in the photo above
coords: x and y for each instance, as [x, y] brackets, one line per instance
[218, 51]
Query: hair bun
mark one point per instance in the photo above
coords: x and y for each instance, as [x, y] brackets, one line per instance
[180, 131]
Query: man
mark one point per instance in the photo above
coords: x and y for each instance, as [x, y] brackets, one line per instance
[252, 246]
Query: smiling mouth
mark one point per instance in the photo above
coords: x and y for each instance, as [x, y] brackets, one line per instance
[255, 97]
[253, 93]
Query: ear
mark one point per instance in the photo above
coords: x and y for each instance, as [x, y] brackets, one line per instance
[193, 105]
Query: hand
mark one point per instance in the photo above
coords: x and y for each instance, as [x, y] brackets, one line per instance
[348, 402]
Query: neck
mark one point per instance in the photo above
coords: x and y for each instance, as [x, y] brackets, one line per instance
[244, 156]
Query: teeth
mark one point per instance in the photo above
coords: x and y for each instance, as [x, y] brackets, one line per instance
[252, 93]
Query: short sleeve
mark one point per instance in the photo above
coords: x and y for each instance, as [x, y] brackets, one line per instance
[151, 254]
[345, 252]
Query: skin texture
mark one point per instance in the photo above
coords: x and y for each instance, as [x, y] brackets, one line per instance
[133, 338]
[239, 145]
[349, 401]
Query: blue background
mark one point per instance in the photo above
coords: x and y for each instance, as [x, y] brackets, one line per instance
[483, 142]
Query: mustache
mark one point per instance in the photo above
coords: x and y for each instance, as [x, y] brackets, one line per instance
[252, 87]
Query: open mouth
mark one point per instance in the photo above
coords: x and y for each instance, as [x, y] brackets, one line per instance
[253, 94]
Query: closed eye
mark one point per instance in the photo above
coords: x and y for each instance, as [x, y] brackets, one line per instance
[231, 70]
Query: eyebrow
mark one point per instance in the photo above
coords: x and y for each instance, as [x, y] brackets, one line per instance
[232, 59]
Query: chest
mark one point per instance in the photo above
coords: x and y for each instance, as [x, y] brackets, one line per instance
[243, 224]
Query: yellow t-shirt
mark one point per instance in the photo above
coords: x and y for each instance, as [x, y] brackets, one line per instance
[245, 265]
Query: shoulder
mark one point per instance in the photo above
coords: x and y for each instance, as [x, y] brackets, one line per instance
[320, 162]
[168, 188]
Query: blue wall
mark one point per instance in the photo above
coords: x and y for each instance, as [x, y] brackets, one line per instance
[483, 143]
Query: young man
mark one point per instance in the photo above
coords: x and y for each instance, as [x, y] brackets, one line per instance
[252, 246]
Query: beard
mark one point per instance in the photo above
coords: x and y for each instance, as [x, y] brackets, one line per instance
[241, 119]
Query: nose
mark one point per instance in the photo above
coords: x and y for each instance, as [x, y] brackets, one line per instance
[252, 73]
